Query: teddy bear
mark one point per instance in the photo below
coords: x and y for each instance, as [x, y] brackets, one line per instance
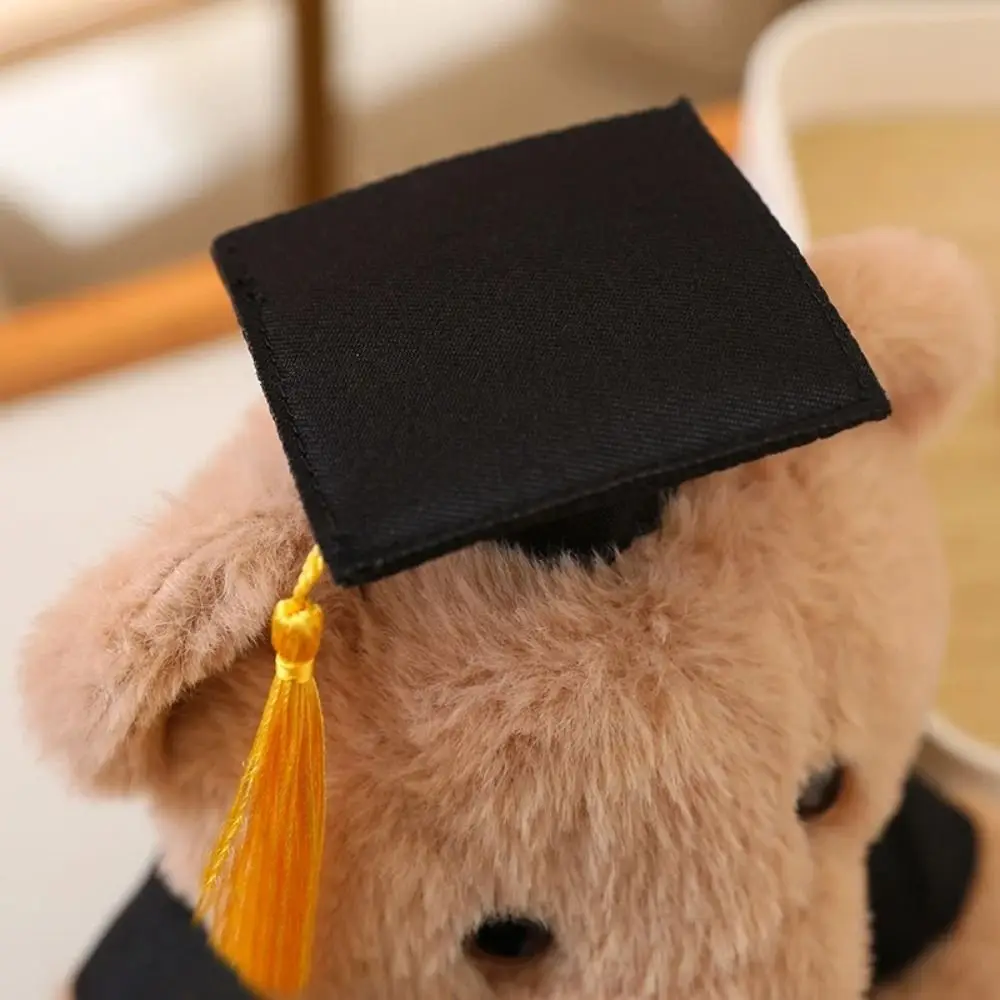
[684, 770]
[147, 679]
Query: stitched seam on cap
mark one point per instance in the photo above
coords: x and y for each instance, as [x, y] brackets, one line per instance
[257, 300]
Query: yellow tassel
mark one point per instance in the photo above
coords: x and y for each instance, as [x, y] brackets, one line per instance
[261, 885]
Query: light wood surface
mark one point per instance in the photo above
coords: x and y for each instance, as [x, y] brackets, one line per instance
[943, 177]
[167, 310]
[173, 308]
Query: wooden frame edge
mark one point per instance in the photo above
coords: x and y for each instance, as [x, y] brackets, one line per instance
[172, 308]
[111, 326]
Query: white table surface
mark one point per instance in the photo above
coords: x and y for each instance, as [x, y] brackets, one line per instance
[77, 468]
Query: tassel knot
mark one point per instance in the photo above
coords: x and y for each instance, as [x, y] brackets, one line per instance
[296, 629]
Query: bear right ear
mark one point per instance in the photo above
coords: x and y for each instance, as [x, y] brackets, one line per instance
[192, 593]
[922, 314]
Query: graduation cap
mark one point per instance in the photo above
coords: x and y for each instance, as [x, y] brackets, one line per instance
[529, 345]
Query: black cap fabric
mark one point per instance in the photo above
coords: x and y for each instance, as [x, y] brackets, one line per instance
[547, 332]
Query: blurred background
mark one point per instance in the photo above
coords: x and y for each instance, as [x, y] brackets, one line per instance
[132, 132]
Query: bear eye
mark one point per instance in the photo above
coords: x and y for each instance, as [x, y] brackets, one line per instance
[821, 792]
[509, 939]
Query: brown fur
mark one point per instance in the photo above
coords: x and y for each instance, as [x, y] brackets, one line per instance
[617, 752]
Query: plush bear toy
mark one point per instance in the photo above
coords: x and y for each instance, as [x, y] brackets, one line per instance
[682, 769]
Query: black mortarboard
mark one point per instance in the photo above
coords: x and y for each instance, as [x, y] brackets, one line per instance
[530, 342]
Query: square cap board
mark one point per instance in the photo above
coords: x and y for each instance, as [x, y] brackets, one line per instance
[534, 342]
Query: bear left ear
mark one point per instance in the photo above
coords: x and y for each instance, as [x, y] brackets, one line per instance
[104, 666]
[921, 313]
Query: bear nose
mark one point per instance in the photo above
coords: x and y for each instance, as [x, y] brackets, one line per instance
[509, 939]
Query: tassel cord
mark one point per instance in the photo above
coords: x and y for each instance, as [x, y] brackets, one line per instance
[260, 887]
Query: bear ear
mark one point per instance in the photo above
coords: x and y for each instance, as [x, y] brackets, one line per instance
[921, 313]
[191, 594]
